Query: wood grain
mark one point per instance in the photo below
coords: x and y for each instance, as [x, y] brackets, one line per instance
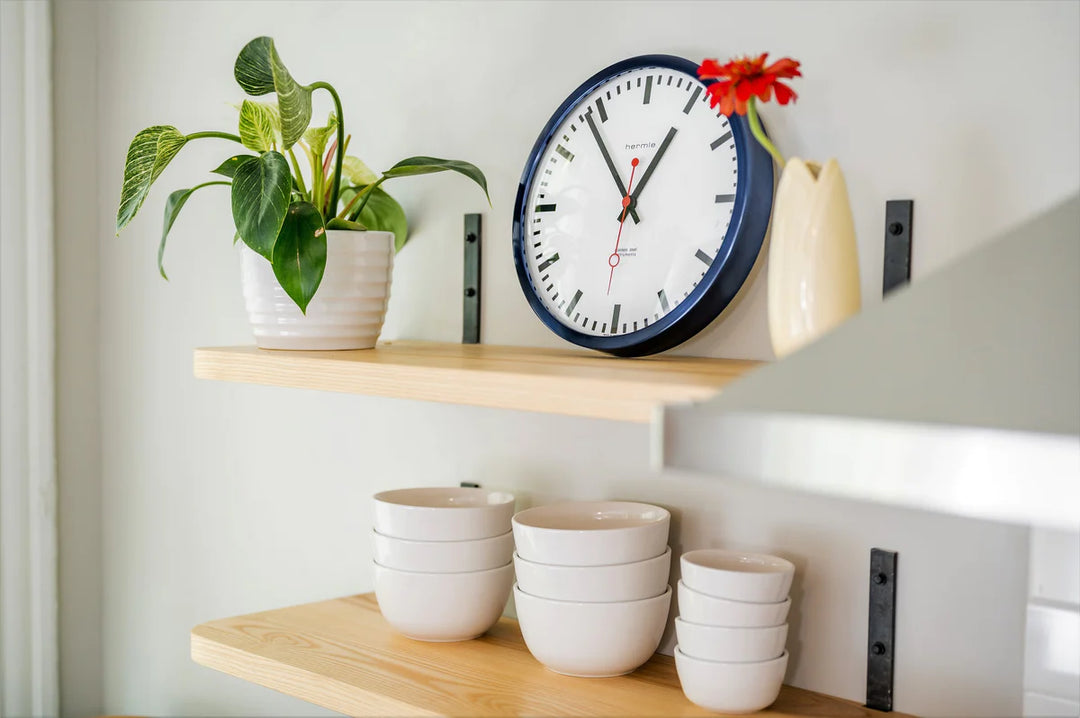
[342, 655]
[545, 380]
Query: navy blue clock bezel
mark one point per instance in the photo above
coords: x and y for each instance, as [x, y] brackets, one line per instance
[730, 268]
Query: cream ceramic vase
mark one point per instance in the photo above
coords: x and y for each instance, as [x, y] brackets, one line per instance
[348, 309]
[813, 258]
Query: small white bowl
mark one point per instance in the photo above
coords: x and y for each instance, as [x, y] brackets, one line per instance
[730, 644]
[592, 640]
[730, 687]
[593, 584]
[443, 606]
[591, 533]
[711, 611]
[739, 576]
[445, 513]
[443, 556]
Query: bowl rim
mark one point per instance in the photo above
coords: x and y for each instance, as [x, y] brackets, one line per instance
[443, 573]
[502, 498]
[380, 535]
[775, 564]
[682, 584]
[711, 628]
[679, 652]
[664, 515]
[519, 557]
[517, 590]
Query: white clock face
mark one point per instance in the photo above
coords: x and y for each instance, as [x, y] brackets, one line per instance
[613, 246]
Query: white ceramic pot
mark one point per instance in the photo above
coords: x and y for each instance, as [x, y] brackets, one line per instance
[591, 640]
[594, 584]
[348, 309]
[813, 257]
[730, 687]
[443, 607]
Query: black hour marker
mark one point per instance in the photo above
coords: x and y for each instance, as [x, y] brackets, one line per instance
[720, 140]
[548, 262]
[679, 83]
[703, 257]
[555, 296]
[693, 99]
[573, 303]
[548, 287]
[635, 326]
[573, 128]
[663, 301]
[725, 198]
[669, 79]
[648, 90]
[593, 328]
[615, 319]
[600, 108]
[603, 329]
[545, 208]
[567, 154]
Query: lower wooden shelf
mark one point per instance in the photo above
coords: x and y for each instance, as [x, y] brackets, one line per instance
[342, 655]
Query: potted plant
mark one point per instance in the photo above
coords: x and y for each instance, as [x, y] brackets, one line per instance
[813, 258]
[317, 250]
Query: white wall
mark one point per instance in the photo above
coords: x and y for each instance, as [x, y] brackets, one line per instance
[222, 499]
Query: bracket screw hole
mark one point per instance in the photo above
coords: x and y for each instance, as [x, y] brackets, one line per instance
[881, 579]
[895, 228]
[470, 238]
[878, 648]
[470, 292]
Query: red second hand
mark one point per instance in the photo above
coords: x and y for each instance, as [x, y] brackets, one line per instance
[613, 259]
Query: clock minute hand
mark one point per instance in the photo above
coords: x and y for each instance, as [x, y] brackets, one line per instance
[610, 164]
[652, 166]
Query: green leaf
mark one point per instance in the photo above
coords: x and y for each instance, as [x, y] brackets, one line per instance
[228, 167]
[383, 213]
[427, 165]
[357, 172]
[300, 253]
[260, 200]
[317, 137]
[257, 126]
[149, 153]
[173, 205]
[259, 70]
[338, 223]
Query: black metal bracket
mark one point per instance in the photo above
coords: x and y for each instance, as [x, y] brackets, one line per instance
[882, 634]
[470, 327]
[469, 485]
[898, 234]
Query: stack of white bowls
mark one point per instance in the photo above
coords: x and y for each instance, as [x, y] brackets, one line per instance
[592, 594]
[731, 628]
[443, 560]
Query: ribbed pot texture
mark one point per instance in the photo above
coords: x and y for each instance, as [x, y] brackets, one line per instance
[348, 309]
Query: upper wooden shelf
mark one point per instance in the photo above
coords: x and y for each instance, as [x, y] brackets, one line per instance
[342, 655]
[547, 380]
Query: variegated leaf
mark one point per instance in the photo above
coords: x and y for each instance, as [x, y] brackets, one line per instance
[258, 126]
[149, 153]
[317, 137]
[357, 172]
[259, 70]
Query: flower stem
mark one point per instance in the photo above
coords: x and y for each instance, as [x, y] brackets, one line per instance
[299, 176]
[335, 186]
[219, 135]
[759, 132]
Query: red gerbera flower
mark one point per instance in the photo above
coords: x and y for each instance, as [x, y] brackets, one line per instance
[746, 77]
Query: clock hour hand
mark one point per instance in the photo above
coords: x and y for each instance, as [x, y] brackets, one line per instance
[610, 164]
[652, 166]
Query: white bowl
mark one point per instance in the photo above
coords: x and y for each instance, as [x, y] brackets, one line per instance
[446, 513]
[731, 644]
[443, 556]
[739, 576]
[592, 640]
[592, 584]
[591, 533]
[730, 687]
[443, 606]
[711, 611]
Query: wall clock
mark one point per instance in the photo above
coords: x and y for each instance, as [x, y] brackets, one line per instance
[641, 210]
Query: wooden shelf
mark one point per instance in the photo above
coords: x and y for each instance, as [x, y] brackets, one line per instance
[546, 380]
[342, 655]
